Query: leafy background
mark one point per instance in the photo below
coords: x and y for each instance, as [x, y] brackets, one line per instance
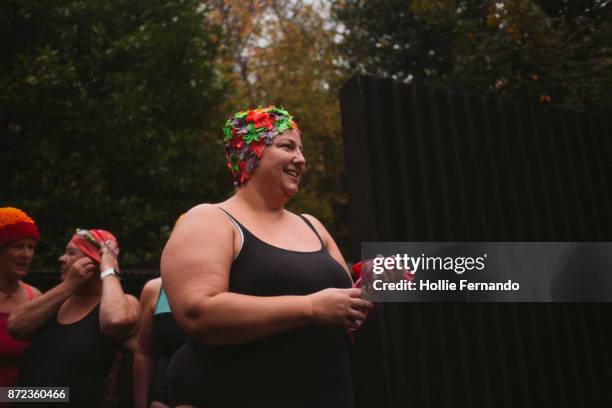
[110, 111]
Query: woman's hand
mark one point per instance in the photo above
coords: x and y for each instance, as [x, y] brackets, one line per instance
[79, 272]
[339, 306]
[108, 256]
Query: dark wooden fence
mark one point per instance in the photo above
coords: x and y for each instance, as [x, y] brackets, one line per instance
[428, 164]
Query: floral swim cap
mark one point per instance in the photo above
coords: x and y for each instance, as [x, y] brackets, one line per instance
[246, 135]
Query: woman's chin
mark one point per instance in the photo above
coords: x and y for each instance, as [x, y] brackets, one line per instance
[290, 191]
[18, 272]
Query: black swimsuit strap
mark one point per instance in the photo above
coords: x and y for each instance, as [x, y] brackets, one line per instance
[313, 229]
[229, 215]
[299, 215]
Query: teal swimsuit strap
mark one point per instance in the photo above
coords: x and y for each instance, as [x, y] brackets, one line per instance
[162, 305]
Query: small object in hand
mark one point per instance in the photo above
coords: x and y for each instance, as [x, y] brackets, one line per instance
[364, 272]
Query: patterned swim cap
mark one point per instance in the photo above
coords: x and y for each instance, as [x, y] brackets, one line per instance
[91, 241]
[15, 224]
[246, 135]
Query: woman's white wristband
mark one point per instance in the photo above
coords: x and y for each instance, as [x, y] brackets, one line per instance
[107, 272]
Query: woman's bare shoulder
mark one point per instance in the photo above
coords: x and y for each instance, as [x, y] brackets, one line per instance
[151, 289]
[201, 216]
[204, 227]
[202, 209]
[35, 292]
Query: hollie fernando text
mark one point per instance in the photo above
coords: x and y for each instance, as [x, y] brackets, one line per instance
[445, 285]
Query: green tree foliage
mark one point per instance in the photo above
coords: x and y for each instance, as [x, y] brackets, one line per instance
[102, 109]
[553, 52]
[386, 38]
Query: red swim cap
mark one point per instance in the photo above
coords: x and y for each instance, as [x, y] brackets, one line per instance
[91, 241]
[15, 224]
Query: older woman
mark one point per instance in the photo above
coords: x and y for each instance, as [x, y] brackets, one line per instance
[264, 294]
[18, 237]
[77, 327]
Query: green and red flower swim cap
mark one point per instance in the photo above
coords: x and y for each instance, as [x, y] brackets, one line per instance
[246, 135]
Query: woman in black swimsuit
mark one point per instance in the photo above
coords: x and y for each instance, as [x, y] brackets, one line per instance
[263, 294]
[77, 328]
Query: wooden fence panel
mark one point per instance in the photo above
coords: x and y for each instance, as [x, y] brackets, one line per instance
[441, 165]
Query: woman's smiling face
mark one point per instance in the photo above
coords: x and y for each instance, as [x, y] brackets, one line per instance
[283, 162]
[16, 256]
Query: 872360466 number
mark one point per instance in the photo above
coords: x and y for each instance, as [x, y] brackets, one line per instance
[34, 394]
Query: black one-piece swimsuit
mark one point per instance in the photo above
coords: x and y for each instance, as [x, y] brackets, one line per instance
[75, 355]
[306, 367]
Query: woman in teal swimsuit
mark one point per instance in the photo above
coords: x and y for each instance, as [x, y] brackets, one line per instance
[158, 338]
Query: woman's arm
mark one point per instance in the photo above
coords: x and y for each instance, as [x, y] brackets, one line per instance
[119, 313]
[195, 268]
[143, 355]
[30, 316]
